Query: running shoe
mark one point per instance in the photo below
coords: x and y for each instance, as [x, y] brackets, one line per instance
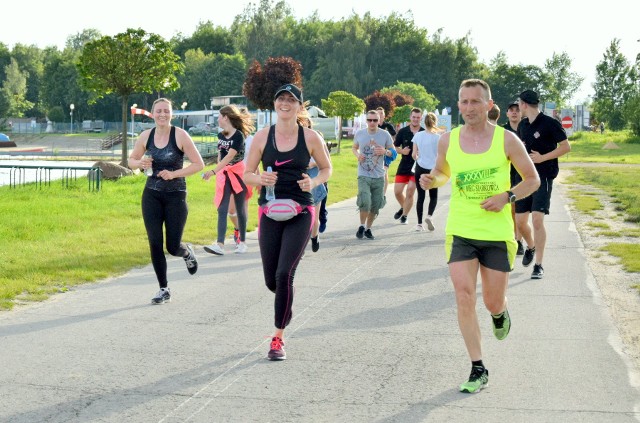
[241, 248]
[419, 228]
[323, 226]
[403, 220]
[276, 351]
[527, 258]
[191, 261]
[368, 234]
[398, 214]
[538, 271]
[163, 296]
[429, 224]
[501, 325]
[520, 249]
[214, 249]
[315, 244]
[360, 233]
[478, 379]
[236, 235]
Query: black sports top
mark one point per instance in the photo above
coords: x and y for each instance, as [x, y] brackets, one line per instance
[290, 166]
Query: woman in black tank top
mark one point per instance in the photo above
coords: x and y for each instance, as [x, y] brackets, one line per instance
[286, 147]
[164, 199]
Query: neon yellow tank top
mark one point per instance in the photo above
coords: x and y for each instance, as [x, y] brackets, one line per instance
[475, 177]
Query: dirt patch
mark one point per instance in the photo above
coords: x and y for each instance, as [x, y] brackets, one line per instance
[616, 285]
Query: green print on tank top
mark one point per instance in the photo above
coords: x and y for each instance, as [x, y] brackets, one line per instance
[477, 184]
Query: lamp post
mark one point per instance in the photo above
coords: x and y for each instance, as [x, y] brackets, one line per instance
[71, 107]
[184, 104]
[132, 117]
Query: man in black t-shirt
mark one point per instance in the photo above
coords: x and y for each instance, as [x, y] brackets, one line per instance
[404, 175]
[545, 140]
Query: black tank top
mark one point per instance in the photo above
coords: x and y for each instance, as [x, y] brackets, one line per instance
[290, 166]
[167, 158]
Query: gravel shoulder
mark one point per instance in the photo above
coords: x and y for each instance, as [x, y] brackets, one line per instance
[615, 284]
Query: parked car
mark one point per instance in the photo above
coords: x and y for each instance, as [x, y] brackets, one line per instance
[203, 128]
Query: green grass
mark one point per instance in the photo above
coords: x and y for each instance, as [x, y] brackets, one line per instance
[629, 255]
[600, 225]
[585, 202]
[54, 238]
[587, 147]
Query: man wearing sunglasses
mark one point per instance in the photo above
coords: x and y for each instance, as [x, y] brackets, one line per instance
[370, 145]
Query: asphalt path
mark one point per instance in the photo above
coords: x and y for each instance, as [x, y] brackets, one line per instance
[374, 339]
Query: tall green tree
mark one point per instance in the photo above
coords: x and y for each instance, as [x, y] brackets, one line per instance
[208, 38]
[209, 75]
[616, 82]
[343, 105]
[560, 83]
[130, 62]
[258, 30]
[30, 61]
[15, 89]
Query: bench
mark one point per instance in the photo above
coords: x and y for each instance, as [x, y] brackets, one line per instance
[17, 175]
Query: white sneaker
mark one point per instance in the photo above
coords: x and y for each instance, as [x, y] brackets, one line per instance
[429, 224]
[419, 228]
[241, 248]
[214, 249]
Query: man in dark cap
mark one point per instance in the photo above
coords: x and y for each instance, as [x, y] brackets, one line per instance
[545, 140]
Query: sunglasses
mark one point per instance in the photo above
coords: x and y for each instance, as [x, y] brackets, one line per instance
[372, 120]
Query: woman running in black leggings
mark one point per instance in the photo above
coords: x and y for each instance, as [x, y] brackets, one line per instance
[286, 147]
[425, 151]
[164, 199]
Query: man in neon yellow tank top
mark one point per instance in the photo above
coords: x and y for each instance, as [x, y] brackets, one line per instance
[479, 233]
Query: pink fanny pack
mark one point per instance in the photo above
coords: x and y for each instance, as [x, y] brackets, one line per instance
[281, 210]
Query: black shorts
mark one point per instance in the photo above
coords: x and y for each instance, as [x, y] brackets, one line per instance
[496, 255]
[539, 201]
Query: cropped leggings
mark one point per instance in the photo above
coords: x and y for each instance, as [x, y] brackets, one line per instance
[282, 245]
[433, 195]
[169, 209]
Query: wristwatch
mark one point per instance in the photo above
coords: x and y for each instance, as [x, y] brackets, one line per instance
[512, 197]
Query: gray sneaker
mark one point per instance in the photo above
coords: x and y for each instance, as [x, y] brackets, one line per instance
[163, 296]
[191, 261]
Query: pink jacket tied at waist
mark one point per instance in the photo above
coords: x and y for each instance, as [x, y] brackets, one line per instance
[235, 175]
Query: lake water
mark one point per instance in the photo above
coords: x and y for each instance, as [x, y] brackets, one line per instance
[30, 174]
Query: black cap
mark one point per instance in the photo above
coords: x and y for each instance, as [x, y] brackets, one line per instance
[513, 103]
[291, 89]
[530, 97]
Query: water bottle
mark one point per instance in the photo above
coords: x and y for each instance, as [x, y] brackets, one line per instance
[148, 171]
[271, 189]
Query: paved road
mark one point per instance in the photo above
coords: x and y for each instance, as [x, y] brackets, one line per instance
[374, 339]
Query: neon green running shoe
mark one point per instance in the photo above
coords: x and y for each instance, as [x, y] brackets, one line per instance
[501, 325]
[478, 379]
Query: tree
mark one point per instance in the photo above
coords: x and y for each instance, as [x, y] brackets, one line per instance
[206, 37]
[208, 75]
[631, 113]
[343, 105]
[130, 62]
[15, 89]
[421, 98]
[262, 82]
[401, 115]
[561, 84]
[379, 99]
[615, 83]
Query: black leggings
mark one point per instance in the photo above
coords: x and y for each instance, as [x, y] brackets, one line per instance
[282, 245]
[170, 209]
[433, 195]
[223, 210]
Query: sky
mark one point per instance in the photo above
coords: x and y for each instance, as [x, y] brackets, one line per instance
[528, 32]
